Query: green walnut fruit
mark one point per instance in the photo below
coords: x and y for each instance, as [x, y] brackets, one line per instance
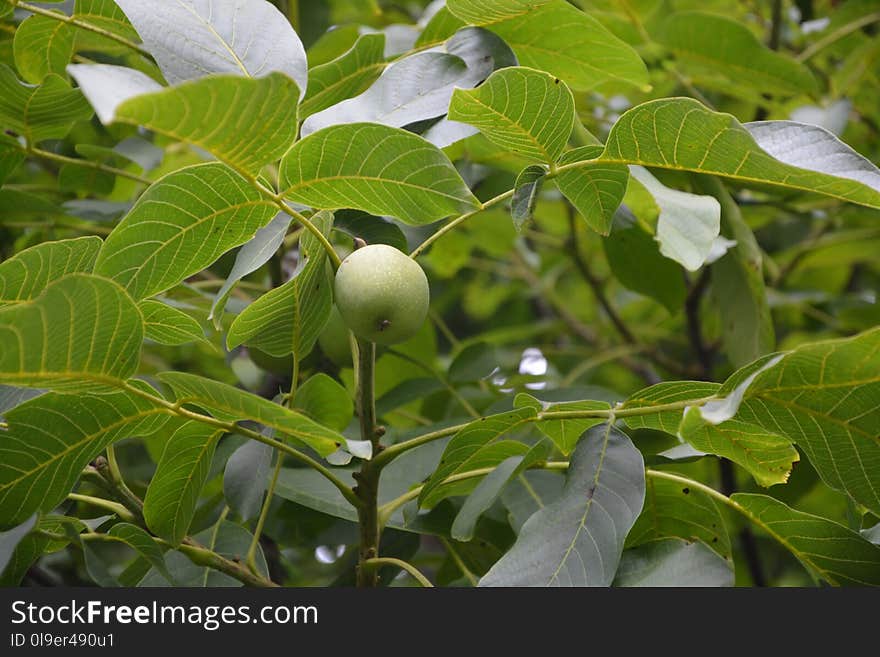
[334, 339]
[382, 294]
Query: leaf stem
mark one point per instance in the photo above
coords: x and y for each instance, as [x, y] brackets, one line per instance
[108, 505]
[838, 34]
[376, 562]
[81, 24]
[458, 220]
[88, 164]
[251, 558]
[278, 200]
[367, 489]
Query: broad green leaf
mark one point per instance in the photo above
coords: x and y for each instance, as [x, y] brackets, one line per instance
[669, 392]
[108, 16]
[679, 511]
[289, 318]
[229, 540]
[566, 433]
[51, 439]
[520, 109]
[673, 562]
[826, 398]
[325, 400]
[484, 12]
[578, 539]
[174, 490]
[26, 274]
[525, 194]
[246, 477]
[253, 255]
[713, 48]
[179, 226]
[688, 223]
[345, 76]
[826, 549]
[564, 41]
[634, 257]
[244, 122]
[596, 190]
[167, 325]
[42, 45]
[83, 332]
[231, 404]
[193, 38]
[143, 543]
[478, 445]
[381, 170]
[442, 25]
[418, 87]
[490, 487]
[768, 456]
[39, 112]
[680, 133]
[476, 362]
[738, 285]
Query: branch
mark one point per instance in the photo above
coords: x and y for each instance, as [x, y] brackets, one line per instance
[88, 164]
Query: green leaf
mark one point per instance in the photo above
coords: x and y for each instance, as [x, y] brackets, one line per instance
[525, 194]
[768, 456]
[476, 446]
[485, 12]
[44, 111]
[143, 543]
[83, 332]
[42, 46]
[826, 398]
[325, 400]
[26, 274]
[688, 224]
[246, 477]
[167, 325]
[345, 76]
[253, 255]
[53, 437]
[231, 404]
[711, 47]
[675, 510]
[578, 539]
[738, 285]
[174, 491]
[530, 492]
[443, 24]
[371, 229]
[381, 170]
[108, 16]
[475, 362]
[826, 549]
[489, 490]
[11, 156]
[673, 562]
[33, 546]
[596, 190]
[564, 41]
[680, 133]
[289, 318]
[634, 257]
[208, 113]
[520, 109]
[251, 38]
[180, 225]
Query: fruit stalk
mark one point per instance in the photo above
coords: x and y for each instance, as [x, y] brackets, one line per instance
[367, 478]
